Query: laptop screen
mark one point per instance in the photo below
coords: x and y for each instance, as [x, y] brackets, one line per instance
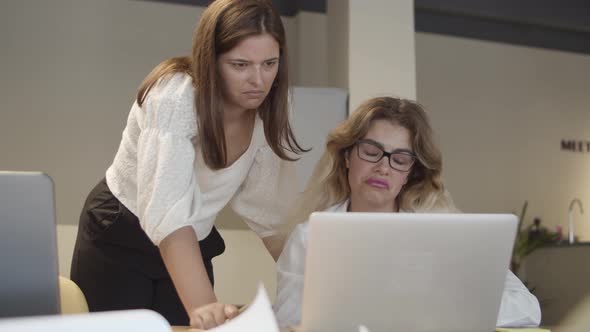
[406, 271]
[28, 249]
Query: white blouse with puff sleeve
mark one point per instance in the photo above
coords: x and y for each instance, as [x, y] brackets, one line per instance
[159, 173]
[518, 308]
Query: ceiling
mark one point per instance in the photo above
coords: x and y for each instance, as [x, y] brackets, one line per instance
[561, 25]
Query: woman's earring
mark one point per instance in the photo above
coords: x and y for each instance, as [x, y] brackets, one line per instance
[346, 158]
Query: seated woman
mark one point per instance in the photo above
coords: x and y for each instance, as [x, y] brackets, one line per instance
[353, 175]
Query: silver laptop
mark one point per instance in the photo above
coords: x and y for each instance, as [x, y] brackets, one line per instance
[406, 272]
[28, 251]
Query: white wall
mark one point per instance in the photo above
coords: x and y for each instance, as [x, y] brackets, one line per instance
[337, 42]
[371, 48]
[311, 54]
[500, 112]
[70, 70]
[381, 57]
[306, 38]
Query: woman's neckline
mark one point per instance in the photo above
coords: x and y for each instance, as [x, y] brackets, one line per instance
[252, 146]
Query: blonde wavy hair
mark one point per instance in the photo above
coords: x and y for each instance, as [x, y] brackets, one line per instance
[424, 190]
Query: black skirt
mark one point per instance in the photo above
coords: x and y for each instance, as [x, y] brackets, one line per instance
[118, 267]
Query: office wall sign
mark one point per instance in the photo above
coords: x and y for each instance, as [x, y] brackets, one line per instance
[575, 145]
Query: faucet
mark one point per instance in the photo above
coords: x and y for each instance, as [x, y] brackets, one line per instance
[571, 218]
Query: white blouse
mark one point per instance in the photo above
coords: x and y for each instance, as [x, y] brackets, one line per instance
[519, 308]
[159, 173]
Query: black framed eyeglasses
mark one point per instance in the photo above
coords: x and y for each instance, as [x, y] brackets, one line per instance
[399, 159]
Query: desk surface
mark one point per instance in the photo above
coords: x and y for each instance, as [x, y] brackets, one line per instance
[188, 329]
[184, 329]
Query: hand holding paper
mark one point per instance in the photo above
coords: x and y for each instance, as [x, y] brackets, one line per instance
[258, 316]
[212, 315]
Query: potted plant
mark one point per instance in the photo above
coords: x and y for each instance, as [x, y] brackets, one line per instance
[530, 238]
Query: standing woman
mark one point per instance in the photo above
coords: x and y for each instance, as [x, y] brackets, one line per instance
[205, 131]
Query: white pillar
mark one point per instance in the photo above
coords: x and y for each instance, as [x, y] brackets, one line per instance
[380, 48]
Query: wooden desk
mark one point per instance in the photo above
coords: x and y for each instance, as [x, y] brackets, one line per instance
[188, 329]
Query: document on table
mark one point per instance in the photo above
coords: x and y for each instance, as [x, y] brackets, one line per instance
[258, 316]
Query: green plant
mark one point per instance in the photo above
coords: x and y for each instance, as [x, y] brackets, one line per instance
[530, 238]
[525, 245]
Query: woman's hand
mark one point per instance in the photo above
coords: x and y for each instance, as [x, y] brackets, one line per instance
[212, 315]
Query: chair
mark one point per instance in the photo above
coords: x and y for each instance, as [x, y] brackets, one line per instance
[71, 297]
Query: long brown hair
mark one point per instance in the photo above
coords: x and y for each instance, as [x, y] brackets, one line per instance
[223, 25]
[424, 190]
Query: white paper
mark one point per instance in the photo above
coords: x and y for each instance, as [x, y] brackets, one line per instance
[110, 321]
[258, 317]
[363, 328]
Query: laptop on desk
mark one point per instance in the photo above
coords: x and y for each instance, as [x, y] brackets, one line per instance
[406, 272]
[28, 249]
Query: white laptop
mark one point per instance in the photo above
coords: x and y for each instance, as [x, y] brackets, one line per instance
[28, 250]
[406, 272]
